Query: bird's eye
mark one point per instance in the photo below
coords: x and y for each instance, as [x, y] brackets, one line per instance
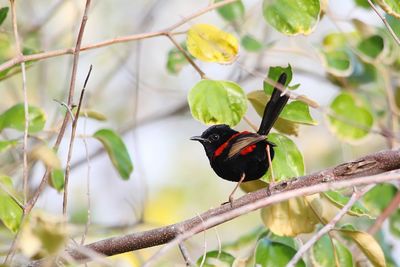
[213, 137]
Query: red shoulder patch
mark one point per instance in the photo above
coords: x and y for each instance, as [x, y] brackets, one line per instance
[221, 148]
[247, 149]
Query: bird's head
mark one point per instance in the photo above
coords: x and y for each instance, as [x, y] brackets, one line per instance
[214, 137]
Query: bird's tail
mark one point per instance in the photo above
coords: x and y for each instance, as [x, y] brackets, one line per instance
[273, 107]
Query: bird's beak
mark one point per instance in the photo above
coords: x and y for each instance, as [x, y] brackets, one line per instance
[198, 138]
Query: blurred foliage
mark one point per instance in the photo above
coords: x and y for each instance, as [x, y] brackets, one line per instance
[362, 64]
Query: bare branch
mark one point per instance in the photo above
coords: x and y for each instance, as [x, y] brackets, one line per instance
[71, 145]
[26, 112]
[357, 172]
[385, 22]
[329, 226]
[392, 207]
[43, 182]
[55, 53]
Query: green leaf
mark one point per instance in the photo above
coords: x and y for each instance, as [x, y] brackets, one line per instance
[7, 144]
[351, 119]
[231, 12]
[288, 241]
[57, 179]
[297, 111]
[394, 223]
[292, 17]
[323, 255]
[379, 197]
[340, 201]
[274, 254]
[371, 47]
[3, 14]
[216, 102]
[92, 114]
[214, 258]
[14, 118]
[334, 41]
[387, 249]
[362, 3]
[288, 160]
[273, 75]
[116, 150]
[392, 7]
[10, 212]
[338, 62]
[176, 60]
[394, 23]
[251, 44]
[368, 246]
[244, 240]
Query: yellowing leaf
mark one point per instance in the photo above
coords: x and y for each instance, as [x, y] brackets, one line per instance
[368, 245]
[43, 235]
[47, 155]
[289, 218]
[208, 43]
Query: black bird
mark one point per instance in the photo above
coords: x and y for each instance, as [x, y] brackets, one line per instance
[243, 156]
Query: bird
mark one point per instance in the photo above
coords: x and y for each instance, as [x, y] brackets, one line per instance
[244, 156]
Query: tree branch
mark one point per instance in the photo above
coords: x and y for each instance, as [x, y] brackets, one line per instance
[329, 226]
[392, 207]
[357, 172]
[55, 53]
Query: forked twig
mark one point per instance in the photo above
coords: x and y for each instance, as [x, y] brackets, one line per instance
[71, 144]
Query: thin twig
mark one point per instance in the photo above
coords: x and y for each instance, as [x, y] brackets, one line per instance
[393, 110]
[392, 207]
[69, 110]
[25, 93]
[71, 145]
[385, 22]
[250, 123]
[329, 226]
[13, 247]
[18, 59]
[188, 58]
[43, 182]
[88, 218]
[185, 254]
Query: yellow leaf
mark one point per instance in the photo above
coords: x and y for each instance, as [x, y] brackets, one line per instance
[251, 186]
[47, 155]
[208, 43]
[43, 235]
[289, 218]
[368, 245]
[323, 207]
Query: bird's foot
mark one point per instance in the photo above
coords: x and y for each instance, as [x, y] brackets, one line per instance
[230, 201]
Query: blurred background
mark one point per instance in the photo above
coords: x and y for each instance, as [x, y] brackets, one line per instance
[130, 85]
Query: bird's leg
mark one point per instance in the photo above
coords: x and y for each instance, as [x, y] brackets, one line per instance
[272, 182]
[236, 187]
